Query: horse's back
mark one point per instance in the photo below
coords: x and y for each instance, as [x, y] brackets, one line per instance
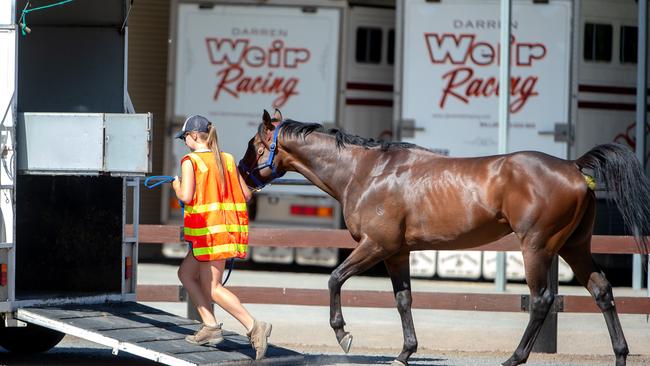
[463, 202]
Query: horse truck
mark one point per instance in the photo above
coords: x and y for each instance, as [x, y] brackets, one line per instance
[418, 71]
[230, 59]
[573, 73]
[238, 57]
[72, 155]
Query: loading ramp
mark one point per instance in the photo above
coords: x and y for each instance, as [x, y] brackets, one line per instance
[150, 333]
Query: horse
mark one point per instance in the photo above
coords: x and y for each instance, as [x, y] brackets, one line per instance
[397, 197]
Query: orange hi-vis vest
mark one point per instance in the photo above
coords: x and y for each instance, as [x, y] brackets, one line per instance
[216, 224]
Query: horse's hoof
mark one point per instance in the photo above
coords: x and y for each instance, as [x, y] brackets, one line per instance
[398, 363]
[346, 342]
[511, 362]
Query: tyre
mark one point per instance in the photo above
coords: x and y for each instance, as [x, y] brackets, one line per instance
[29, 339]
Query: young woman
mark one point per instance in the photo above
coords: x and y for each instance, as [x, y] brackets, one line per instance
[216, 228]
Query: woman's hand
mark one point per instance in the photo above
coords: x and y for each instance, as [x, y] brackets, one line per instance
[176, 184]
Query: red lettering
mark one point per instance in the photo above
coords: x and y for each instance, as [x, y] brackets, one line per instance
[226, 79]
[233, 79]
[452, 84]
[460, 84]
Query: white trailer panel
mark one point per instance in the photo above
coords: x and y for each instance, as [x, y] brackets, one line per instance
[459, 264]
[423, 263]
[233, 61]
[515, 267]
[450, 75]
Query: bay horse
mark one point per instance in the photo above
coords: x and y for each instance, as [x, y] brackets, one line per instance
[398, 197]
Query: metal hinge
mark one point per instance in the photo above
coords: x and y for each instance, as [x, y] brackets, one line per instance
[11, 321]
[561, 132]
[183, 296]
[408, 128]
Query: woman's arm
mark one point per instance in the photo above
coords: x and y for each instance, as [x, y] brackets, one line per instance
[184, 188]
[247, 192]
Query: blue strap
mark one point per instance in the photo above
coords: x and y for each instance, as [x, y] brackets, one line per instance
[158, 180]
[273, 146]
[269, 162]
[231, 265]
[257, 182]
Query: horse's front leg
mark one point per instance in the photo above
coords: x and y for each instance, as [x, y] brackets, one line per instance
[364, 256]
[400, 276]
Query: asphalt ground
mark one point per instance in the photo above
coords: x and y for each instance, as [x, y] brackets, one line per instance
[74, 351]
[445, 337]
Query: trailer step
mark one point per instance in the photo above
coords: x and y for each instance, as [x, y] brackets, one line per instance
[150, 333]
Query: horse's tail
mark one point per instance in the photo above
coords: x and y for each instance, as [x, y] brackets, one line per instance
[618, 168]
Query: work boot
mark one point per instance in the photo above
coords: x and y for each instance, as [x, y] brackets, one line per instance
[258, 336]
[206, 335]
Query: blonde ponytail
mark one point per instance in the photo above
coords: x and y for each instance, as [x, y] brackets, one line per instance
[213, 144]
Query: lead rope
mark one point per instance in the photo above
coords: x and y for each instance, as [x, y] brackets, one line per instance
[24, 29]
[162, 179]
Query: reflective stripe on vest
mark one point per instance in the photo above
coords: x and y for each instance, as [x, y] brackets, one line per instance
[215, 206]
[221, 249]
[216, 220]
[215, 229]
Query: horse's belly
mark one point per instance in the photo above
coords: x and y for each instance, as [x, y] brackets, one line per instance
[446, 239]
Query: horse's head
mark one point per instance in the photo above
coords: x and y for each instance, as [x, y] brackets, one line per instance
[259, 164]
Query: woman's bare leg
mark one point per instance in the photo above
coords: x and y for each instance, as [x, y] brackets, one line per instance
[210, 276]
[188, 273]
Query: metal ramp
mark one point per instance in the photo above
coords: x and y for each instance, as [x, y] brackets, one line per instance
[150, 333]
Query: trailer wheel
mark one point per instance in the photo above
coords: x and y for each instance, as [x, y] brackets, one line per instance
[29, 339]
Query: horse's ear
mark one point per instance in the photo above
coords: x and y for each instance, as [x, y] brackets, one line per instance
[266, 118]
[278, 115]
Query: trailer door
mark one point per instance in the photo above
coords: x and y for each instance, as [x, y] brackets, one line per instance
[449, 76]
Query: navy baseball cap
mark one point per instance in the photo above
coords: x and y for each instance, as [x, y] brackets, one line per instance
[194, 123]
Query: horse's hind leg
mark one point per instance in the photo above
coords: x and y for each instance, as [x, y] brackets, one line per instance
[398, 268]
[537, 263]
[364, 256]
[577, 254]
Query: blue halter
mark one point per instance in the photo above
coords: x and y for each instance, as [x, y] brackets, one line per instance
[269, 162]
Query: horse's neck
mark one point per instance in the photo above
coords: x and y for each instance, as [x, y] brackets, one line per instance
[322, 162]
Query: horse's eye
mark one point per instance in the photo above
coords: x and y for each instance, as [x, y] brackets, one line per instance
[260, 151]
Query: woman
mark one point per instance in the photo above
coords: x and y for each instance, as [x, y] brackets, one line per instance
[216, 228]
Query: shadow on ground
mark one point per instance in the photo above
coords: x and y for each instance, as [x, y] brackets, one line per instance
[63, 356]
[74, 356]
[323, 360]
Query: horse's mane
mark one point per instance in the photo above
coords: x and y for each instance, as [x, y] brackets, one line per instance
[293, 128]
